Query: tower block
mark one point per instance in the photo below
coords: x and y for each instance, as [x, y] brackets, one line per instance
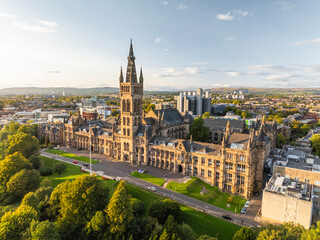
[131, 93]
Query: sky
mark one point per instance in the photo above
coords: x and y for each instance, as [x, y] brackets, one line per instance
[180, 45]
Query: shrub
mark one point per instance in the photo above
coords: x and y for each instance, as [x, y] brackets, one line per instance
[46, 171]
[59, 167]
[230, 199]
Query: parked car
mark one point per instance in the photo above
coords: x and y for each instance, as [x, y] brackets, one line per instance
[152, 189]
[85, 164]
[225, 216]
[244, 210]
[141, 170]
[75, 162]
[247, 204]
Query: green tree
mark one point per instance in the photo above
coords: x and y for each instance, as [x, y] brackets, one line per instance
[97, 228]
[14, 224]
[315, 141]
[244, 233]
[206, 115]
[185, 232]
[173, 209]
[43, 230]
[151, 106]
[23, 143]
[11, 165]
[171, 226]
[165, 236]
[206, 237]
[23, 182]
[280, 140]
[137, 206]
[158, 210]
[120, 215]
[31, 200]
[59, 167]
[74, 203]
[35, 160]
[198, 131]
[312, 234]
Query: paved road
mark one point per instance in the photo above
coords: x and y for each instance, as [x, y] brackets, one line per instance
[114, 169]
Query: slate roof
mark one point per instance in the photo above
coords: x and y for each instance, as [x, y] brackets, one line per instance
[220, 124]
[169, 116]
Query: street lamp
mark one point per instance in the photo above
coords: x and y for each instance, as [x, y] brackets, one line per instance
[90, 150]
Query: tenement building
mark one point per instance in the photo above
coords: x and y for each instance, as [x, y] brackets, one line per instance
[157, 138]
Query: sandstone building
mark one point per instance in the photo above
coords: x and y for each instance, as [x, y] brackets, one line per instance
[157, 138]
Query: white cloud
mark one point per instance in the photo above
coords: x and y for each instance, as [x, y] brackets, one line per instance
[284, 5]
[7, 15]
[234, 74]
[225, 17]
[234, 14]
[164, 3]
[182, 6]
[160, 40]
[230, 38]
[268, 67]
[306, 42]
[278, 77]
[33, 28]
[48, 23]
[311, 68]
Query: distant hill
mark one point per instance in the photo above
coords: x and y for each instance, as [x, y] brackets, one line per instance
[109, 90]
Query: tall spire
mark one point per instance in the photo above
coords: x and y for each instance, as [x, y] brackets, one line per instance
[121, 75]
[141, 76]
[131, 68]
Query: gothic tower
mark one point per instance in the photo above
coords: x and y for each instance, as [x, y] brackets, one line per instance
[131, 93]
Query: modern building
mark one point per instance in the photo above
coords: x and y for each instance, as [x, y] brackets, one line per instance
[194, 102]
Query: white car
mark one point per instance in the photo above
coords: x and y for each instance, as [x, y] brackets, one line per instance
[247, 204]
[152, 189]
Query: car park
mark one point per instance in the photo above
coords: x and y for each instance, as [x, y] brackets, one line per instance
[226, 216]
[152, 189]
[244, 210]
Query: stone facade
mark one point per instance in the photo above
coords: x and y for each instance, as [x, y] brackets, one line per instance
[157, 139]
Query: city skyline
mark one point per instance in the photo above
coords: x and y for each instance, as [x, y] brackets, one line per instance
[180, 44]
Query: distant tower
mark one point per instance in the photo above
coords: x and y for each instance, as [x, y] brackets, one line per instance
[131, 93]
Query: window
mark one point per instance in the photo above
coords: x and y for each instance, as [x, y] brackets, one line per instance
[209, 162]
[202, 172]
[230, 166]
[218, 163]
[230, 177]
[317, 183]
[229, 187]
[307, 180]
[296, 179]
[195, 171]
[209, 173]
[217, 175]
[195, 159]
[203, 161]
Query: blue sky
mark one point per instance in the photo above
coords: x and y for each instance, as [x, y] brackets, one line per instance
[180, 44]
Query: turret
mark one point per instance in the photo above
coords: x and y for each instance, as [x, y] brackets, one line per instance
[141, 76]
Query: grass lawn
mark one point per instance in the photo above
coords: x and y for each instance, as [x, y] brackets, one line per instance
[215, 197]
[71, 155]
[201, 223]
[71, 173]
[149, 178]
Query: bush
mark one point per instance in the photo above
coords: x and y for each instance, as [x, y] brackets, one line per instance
[59, 167]
[35, 161]
[230, 199]
[46, 171]
[137, 206]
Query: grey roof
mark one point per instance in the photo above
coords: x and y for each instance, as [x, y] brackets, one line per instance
[220, 124]
[169, 116]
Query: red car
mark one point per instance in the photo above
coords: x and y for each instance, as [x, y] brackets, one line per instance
[76, 162]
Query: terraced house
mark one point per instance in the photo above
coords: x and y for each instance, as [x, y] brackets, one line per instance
[157, 138]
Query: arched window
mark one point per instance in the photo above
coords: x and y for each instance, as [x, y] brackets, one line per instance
[128, 132]
[128, 121]
[124, 131]
[128, 106]
[124, 121]
[123, 105]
